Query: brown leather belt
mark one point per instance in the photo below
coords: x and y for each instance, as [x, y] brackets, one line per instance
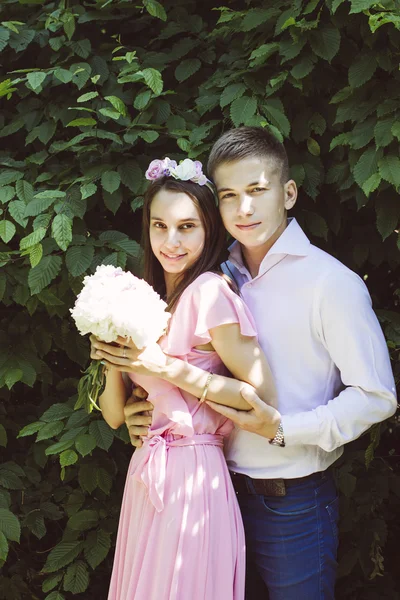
[243, 484]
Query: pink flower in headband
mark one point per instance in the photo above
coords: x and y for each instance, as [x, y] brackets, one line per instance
[156, 170]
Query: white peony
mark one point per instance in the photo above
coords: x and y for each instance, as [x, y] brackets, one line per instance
[115, 303]
[185, 171]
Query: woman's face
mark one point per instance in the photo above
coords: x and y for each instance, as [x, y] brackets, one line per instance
[177, 235]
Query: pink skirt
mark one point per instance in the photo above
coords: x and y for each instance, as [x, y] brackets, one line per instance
[180, 534]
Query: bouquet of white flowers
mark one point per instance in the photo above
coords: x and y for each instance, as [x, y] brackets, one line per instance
[113, 304]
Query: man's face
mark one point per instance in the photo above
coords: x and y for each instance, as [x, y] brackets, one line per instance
[253, 201]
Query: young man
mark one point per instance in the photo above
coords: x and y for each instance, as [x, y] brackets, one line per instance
[328, 357]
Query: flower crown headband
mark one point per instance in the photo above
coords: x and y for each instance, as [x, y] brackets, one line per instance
[187, 170]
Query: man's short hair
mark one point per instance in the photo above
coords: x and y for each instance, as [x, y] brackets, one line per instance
[245, 142]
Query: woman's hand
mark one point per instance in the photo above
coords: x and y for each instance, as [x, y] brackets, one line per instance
[126, 357]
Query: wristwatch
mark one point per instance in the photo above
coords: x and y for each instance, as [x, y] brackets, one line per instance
[279, 439]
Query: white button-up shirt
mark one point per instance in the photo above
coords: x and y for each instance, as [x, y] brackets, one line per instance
[326, 351]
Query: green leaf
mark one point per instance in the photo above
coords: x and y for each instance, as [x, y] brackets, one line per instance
[387, 215]
[63, 75]
[68, 457]
[187, 68]
[24, 191]
[110, 181]
[102, 433]
[389, 169]
[7, 193]
[362, 133]
[9, 525]
[82, 122]
[98, 544]
[264, 51]
[63, 554]
[87, 96]
[12, 127]
[8, 176]
[112, 201]
[12, 376]
[36, 79]
[83, 520]
[362, 69]
[49, 194]
[155, 9]
[242, 109]
[110, 113]
[76, 579]
[361, 5]
[274, 110]
[148, 136]
[49, 430]
[367, 164]
[41, 276]
[85, 443]
[30, 429]
[35, 254]
[231, 92]
[396, 129]
[61, 230]
[87, 190]
[325, 42]
[154, 80]
[383, 132]
[56, 412]
[50, 582]
[55, 595]
[142, 100]
[78, 259]
[37, 206]
[4, 37]
[33, 238]
[371, 184]
[313, 147]
[7, 230]
[131, 175]
[117, 104]
[16, 209]
[4, 547]
[303, 67]
[59, 447]
[3, 436]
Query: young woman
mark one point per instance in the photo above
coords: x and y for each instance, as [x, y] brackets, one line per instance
[180, 533]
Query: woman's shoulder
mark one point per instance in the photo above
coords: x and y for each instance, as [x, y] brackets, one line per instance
[206, 283]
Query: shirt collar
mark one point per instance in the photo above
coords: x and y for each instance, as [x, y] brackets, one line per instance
[293, 241]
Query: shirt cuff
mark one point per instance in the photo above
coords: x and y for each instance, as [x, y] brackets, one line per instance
[301, 429]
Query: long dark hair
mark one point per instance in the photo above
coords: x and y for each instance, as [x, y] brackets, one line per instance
[214, 244]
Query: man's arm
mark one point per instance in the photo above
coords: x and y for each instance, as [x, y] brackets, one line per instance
[350, 332]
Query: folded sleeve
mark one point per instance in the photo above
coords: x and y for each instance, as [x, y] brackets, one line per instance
[207, 303]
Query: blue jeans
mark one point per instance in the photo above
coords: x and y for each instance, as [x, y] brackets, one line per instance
[292, 540]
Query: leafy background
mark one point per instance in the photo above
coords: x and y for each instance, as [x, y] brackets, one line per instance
[90, 93]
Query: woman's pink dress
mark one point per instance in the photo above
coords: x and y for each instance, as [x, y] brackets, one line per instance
[180, 534]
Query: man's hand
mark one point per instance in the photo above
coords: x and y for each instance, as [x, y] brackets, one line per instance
[262, 419]
[138, 416]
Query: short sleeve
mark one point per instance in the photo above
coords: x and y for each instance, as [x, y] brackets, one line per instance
[207, 303]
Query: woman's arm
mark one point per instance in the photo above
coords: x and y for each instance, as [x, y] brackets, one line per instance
[242, 356]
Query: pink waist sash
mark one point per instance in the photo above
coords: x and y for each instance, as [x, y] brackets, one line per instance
[151, 470]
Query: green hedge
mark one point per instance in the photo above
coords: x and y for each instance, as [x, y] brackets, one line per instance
[90, 93]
